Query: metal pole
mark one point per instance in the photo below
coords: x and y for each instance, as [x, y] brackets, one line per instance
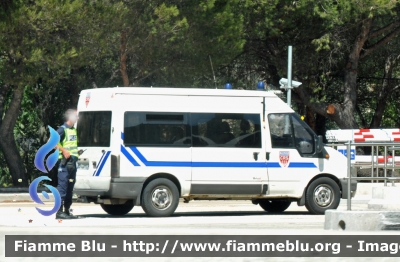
[372, 162]
[385, 165]
[348, 175]
[212, 68]
[289, 89]
[377, 163]
[289, 73]
[393, 157]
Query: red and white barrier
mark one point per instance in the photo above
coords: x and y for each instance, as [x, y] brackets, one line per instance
[366, 135]
[363, 135]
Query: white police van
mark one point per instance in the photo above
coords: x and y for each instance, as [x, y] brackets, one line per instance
[150, 147]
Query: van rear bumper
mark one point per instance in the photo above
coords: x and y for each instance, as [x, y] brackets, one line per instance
[122, 188]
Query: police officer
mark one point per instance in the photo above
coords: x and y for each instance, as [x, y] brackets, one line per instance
[67, 159]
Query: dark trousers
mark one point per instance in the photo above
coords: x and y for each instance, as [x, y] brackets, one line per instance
[66, 181]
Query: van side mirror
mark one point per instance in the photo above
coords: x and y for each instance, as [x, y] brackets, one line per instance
[320, 144]
[306, 147]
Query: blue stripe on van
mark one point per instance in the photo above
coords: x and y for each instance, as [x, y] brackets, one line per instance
[215, 164]
[122, 135]
[103, 162]
[98, 164]
[229, 164]
[128, 156]
[273, 165]
[301, 165]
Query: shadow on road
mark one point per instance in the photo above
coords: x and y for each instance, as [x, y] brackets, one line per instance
[205, 214]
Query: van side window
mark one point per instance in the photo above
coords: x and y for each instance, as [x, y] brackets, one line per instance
[226, 130]
[288, 131]
[94, 129]
[156, 129]
[305, 142]
[280, 128]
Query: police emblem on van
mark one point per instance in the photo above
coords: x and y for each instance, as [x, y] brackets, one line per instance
[284, 158]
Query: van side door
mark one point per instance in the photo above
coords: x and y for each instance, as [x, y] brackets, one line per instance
[291, 149]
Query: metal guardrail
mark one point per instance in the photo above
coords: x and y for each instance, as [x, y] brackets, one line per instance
[393, 146]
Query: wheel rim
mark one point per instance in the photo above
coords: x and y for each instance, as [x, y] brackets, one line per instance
[161, 197]
[323, 195]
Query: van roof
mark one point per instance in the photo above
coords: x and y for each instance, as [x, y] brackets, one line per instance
[181, 91]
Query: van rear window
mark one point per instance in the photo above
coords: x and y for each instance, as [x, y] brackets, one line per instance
[94, 129]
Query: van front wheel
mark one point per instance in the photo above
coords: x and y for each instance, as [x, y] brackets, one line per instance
[322, 194]
[160, 198]
[118, 210]
[278, 205]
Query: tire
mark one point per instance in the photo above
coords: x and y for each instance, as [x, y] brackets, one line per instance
[118, 210]
[160, 198]
[322, 194]
[270, 205]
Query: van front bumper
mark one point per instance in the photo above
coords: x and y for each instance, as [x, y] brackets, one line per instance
[353, 188]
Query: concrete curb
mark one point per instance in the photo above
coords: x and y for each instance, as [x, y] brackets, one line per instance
[385, 198]
[365, 189]
[9, 190]
[362, 220]
[23, 197]
[19, 197]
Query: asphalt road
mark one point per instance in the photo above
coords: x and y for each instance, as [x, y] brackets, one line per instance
[194, 218]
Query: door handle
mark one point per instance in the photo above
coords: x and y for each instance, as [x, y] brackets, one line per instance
[94, 164]
[255, 155]
[267, 155]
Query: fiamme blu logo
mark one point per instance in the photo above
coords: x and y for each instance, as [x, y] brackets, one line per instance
[50, 163]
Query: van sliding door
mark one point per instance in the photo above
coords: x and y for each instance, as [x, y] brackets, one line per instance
[227, 154]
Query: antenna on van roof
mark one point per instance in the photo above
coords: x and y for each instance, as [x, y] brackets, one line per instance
[212, 68]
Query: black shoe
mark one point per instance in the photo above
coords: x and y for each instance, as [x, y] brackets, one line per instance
[71, 216]
[62, 215]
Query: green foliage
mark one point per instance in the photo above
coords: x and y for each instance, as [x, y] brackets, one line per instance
[56, 48]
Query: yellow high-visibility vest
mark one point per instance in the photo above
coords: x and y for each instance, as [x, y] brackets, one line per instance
[70, 142]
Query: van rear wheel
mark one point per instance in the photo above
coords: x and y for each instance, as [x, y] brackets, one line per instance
[276, 205]
[160, 198]
[118, 210]
[322, 194]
